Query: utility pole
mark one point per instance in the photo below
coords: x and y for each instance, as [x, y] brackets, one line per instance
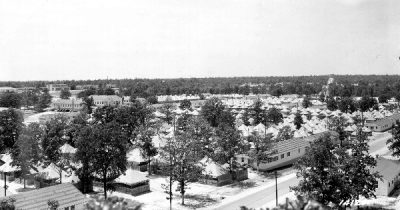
[276, 187]
[170, 168]
[5, 184]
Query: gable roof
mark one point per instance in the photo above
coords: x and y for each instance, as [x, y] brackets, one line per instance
[66, 195]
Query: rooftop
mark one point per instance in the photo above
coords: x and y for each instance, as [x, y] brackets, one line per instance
[66, 195]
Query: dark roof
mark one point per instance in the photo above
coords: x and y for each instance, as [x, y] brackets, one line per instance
[66, 195]
[314, 137]
[387, 120]
[387, 167]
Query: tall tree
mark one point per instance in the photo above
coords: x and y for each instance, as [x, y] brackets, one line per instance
[109, 154]
[256, 111]
[394, 142]
[65, 94]
[167, 109]
[298, 121]
[185, 104]
[228, 144]
[332, 174]
[347, 105]
[54, 137]
[145, 144]
[366, 103]
[88, 103]
[10, 128]
[86, 139]
[284, 133]
[331, 104]
[26, 151]
[306, 102]
[262, 147]
[109, 91]
[44, 101]
[11, 100]
[383, 98]
[274, 116]
[212, 111]
[184, 153]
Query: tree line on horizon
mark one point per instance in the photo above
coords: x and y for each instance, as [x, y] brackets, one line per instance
[384, 86]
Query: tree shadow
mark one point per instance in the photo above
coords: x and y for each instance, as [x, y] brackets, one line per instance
[198, 201]
[244, 184]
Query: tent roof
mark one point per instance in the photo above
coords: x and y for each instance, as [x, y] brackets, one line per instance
[212, 168]
[131, 177]
[67, 149]
[7, 167]
[51, 171]
[135, 156]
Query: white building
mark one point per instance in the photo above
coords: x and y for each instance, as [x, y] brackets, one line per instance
[287, 152]
[106, 100]
[67, 104]
[7, 89]
[389, 169]
[57, 87]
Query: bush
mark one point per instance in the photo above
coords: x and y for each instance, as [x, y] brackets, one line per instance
[112, 203]
[7, 204]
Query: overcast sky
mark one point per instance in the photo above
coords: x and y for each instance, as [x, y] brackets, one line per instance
[94, 39]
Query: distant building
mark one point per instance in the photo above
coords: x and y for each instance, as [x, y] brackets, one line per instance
[382, 124]
[85, 87]
[389, 169]
[68, 104]
[111, 86]
[67, 196]
[7, 90]
[25, 89]
[57, 87]
[106, 100]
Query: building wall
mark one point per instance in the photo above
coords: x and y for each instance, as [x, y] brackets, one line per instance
[7, 89]
[57, 87]
[281, 159]
[107, 101]
[383, 124]
[67, 105]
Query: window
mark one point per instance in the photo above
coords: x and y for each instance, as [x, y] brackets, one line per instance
[299, 150]
[73, 207]
[288, 154]
[242, 159]
[282, 156]
[66, 208]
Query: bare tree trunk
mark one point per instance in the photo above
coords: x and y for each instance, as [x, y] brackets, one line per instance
[183, 192]
[105, 187]
[149, 167]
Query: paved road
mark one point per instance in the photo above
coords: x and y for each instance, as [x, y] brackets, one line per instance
[265, 196]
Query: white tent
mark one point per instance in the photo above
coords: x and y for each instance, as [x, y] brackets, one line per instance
[212, 168]
[67, 149]
[135, 156]
[131, 177]
[51, 171]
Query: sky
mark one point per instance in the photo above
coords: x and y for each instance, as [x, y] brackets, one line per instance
[98, 39]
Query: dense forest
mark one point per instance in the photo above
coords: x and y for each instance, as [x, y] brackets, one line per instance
[344, 85]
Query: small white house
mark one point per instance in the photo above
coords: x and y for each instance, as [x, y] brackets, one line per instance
[389, 168]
